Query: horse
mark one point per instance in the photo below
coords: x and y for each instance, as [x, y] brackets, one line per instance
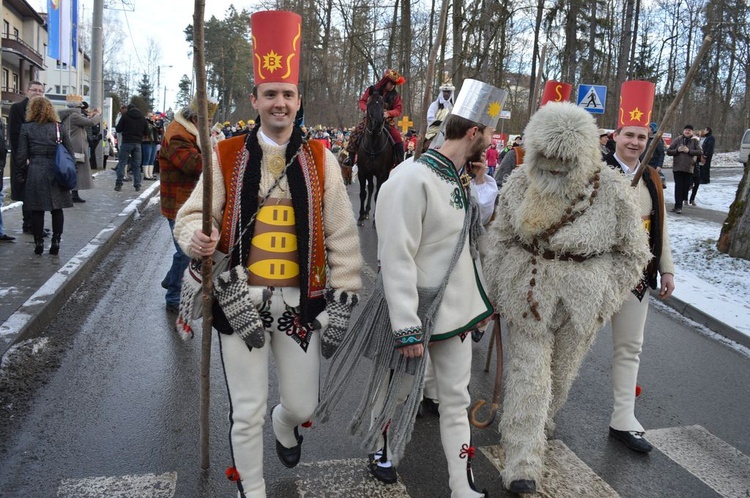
[374, 156]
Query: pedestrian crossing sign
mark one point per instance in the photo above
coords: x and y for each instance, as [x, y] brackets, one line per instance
[592, 98]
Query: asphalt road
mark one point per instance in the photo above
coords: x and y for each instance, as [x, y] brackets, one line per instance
[107, 405]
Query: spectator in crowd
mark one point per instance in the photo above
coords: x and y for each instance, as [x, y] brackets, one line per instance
[512, 160]
[181, 165]
[492, 156]
[708, 153]
[148, 148]
[16, 118]
[35, 158]
[4, 237]
[657, 158]
[77, 125]
[133, 127]
[603, 139]
[683, 149]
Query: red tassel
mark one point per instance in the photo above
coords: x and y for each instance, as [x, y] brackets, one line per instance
[307, 424]
[232, 474]
[637, 390]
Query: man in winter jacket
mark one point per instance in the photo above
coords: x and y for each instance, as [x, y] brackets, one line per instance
[133, 127]
[684, 150]
[181, 165]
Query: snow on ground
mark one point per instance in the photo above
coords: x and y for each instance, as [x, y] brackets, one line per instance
[713, 282]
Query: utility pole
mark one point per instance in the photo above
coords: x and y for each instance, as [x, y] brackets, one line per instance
[97, 67]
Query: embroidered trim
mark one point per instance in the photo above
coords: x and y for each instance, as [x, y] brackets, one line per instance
[409, 336]
[317, 275]
[441, 166]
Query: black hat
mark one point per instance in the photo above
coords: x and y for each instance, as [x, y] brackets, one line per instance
[688, 127]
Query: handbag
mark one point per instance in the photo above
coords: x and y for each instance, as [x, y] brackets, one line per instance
[65, 172]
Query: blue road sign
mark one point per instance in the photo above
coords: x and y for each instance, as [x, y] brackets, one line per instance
[593, 98]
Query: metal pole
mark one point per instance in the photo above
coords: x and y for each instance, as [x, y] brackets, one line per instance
[164, 107]
[97, 65]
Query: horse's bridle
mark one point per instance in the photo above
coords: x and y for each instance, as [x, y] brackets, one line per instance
[372, 132]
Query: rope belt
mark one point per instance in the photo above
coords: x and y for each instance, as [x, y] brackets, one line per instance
[548, 254]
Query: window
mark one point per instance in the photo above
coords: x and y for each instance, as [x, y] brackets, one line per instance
[65, 89]
[6, 76]
[15, 82]
[6, 28]
[57, 89]
[15, 34]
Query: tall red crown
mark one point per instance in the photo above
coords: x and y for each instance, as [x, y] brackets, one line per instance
[277, 35]
[636, 103]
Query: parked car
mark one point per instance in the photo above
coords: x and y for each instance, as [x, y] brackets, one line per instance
[745, 148]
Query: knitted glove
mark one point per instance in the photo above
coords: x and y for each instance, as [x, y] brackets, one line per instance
[339, 305]
[239, 302]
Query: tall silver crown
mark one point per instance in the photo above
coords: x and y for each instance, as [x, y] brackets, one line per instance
[480, 103]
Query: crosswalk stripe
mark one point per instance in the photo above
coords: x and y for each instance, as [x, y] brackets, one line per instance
[721, 466]
[349, 476]
[132, 486]
[565, 475]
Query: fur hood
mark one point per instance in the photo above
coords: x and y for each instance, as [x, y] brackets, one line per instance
[189, 127]
[564, 139]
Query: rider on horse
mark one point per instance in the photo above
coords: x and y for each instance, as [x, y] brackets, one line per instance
[439, 110]
[387, 88]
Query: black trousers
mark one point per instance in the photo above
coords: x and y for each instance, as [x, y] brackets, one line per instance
[682, 182]
[37, 223]
[706, 170]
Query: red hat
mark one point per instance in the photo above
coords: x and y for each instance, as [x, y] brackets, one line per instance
[556, 91]
[636, 102]
[276, 46]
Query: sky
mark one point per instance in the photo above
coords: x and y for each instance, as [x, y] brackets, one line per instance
[164, 22]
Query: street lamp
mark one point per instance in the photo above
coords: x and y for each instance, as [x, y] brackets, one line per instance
[158, 83]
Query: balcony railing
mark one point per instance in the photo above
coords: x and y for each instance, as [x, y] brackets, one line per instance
[15, 45]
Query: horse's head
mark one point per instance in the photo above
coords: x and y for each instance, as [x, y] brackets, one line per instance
[375, 110]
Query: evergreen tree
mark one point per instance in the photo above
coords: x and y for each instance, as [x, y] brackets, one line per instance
[183, 95]
[145, 90]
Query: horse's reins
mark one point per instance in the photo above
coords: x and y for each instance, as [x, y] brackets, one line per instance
[371, 132]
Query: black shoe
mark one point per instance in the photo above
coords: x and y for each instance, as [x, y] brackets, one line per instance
[387, 475]
[430, 406]
[54, 248]
[6, 238]
[38, 245]
[76, 197]
[290, 456]
[676, 211]
[632, 439]
[118, 188]
[523, 487]
[138, 188]
[164, 284]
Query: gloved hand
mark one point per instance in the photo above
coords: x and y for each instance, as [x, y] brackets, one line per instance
[339, 305]
[240, 302]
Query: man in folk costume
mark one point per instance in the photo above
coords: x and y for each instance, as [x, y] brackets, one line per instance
[568, 246]
[393, 109]
[631, 136]
[281, 211]
[429, 297]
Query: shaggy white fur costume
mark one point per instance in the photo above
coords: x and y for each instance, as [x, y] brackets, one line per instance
[582, 221]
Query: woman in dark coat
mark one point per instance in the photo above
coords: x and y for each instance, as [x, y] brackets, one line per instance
[36, 162]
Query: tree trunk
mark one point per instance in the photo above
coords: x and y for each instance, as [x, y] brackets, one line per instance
[405, 33]
[735, 233]
[532, 79]
[625, 41]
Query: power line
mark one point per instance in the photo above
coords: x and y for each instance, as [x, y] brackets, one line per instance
[132, 40]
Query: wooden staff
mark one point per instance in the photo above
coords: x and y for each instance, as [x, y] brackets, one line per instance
[428, 81]
[495, 406]
[199, 57]
[670, 110]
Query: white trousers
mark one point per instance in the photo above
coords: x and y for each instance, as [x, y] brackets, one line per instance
[246, 373]
[627, 340]
[451, 362]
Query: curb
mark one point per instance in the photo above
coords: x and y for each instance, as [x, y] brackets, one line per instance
[702, 318]
[33, 316]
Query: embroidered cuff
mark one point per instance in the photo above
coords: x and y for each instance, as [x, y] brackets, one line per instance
[408, 336]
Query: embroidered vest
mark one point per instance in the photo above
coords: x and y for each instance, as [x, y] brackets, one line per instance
[306, 179]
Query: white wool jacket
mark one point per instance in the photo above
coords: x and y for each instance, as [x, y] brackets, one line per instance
[344, 259]
[419, 216]
[609, 234]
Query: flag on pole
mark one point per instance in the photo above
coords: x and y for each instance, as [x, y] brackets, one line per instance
[60, 29]
[74, 32]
